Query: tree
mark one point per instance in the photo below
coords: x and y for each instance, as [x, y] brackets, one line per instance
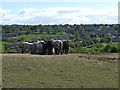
[96, 40]
[93, 35]
[84, 43]
[108, 39]
[101, 35]
[77, 36]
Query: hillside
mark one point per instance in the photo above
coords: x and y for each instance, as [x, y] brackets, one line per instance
[83, 35]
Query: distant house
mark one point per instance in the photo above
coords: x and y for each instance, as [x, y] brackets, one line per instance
[9, 39]
[113, 36]
[23, 32]
[10, 35]
[14, 47]
[4, 39]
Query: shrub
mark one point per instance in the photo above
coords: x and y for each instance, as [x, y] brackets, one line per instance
[107, 48]
[96, 40]
[9, 51]
[113, 49]
[99, 45]
[92, 51]
[71, 50]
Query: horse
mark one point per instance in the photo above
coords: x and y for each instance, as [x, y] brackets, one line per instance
[26, 47]
[58, 46]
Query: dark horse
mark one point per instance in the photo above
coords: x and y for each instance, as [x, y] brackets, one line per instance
[65, 46]
[47, 48]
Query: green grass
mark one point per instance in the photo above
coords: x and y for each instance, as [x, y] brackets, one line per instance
[60, 71]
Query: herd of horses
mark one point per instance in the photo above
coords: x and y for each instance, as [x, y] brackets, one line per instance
[46, 47]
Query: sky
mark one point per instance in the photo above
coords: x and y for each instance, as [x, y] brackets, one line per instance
[53, 12]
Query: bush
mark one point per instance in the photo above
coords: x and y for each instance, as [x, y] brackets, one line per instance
[99, 45]
[71, 50]
[108, 39]
[107, 48]
[9, 51]
[96, 40]
[72, 44]
[92, 51]
[113, 49]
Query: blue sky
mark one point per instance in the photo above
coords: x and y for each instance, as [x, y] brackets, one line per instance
[59, 12]
[15, 6]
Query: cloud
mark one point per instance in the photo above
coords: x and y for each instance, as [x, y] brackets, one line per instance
[62, 15]
[3, 12]
[26, 11]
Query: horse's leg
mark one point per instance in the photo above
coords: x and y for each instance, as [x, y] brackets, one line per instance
[61, 50]
[58, 51]
[55, 50]
[65, 51]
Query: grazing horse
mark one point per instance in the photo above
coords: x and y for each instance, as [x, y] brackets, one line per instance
[58, 46]
[39, 46]
[26, 47]
[65, 46]
[47, 47]
[34, 48]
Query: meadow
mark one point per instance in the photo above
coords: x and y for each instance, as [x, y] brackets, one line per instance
[60, 71]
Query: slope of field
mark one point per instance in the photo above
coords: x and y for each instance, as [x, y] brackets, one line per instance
[60, 71]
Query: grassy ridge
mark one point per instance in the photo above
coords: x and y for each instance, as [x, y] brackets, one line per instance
[34, 36]
[66, 71]
[30, 37]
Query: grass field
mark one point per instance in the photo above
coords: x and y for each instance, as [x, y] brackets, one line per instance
[60, 71]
